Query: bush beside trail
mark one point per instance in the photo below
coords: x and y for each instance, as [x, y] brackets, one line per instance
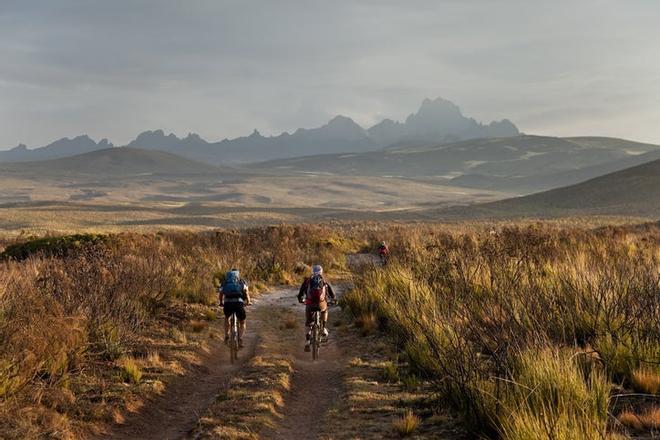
[59, 246]
[525, 330]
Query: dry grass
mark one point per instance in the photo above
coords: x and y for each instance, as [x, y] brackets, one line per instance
[198, 326]
[406, 424]
[291, 322]
[464, 307]
[373, 403]
[69, 317]
[646, 380]
[255, 398]
[485, 313]
[647, 420]
[367, 322]
[130, 371]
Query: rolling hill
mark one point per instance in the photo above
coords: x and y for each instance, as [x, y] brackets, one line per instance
[522, 164]
[115, 162]
[634, 191]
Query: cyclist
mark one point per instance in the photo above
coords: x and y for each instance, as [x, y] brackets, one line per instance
[313, 293]
[234, 296]
[383, 252]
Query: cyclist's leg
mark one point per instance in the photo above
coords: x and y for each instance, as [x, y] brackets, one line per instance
[227, 312]
[324, 320]
[242, 318]
[308, 326]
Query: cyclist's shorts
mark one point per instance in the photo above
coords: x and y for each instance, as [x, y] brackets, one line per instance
[309, 310]
[235, 307]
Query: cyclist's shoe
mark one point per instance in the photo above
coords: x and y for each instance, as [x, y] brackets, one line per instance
[240, 343]
[326, 333]
[307, 346]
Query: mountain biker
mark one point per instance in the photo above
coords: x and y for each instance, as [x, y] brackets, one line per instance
[313, 293]
[234, 295]
[383, 252]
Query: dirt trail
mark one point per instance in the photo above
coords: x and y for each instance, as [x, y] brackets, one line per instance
[315, 385]
[175, 413]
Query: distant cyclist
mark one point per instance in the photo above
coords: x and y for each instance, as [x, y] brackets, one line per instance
[234, 296]
[314, 293]
[383, 253]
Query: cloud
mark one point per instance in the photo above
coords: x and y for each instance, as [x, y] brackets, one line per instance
[222, 68]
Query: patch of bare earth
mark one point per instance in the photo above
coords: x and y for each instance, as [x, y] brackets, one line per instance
[377, 394]
[186, 371]
[278, 392]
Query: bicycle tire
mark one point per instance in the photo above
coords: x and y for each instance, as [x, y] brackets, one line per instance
[233, 342]
[316, 337]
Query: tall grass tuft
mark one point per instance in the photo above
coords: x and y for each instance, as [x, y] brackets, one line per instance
[129, 370]
[406, 425]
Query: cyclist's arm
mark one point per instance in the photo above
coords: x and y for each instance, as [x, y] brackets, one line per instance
[246, 293]
[301, 292]
[220, 296]
[331, 292]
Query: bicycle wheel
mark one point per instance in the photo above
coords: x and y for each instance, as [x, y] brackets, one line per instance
[233, 340]
[316, 337]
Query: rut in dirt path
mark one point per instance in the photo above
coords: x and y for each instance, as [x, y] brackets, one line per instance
[176, 412]
[315, 387]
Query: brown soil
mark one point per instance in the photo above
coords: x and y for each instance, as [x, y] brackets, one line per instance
[175, 412]
[314, 389]
[318, 402]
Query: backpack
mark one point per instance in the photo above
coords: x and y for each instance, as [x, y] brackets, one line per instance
[232, 288]
[316, 289]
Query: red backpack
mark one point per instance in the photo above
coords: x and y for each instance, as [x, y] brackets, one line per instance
[316, 290]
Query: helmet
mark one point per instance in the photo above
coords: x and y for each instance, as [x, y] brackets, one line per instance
[235, 272]
[382, 243]
[317, 270]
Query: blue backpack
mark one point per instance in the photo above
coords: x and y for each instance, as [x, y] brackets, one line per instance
[232, 288]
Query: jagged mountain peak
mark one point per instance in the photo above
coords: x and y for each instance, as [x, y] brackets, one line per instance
[436, 121]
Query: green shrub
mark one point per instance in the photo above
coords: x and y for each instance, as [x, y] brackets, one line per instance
[52, 246]
[129, 370]
[391, 372]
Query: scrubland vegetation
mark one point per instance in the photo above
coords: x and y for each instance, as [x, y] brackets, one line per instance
[527, 331]
[530, 332]
[78, 313]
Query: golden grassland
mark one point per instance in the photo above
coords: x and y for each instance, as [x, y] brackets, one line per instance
[531, 330]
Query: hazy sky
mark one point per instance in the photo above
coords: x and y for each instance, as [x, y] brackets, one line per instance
[221, 68]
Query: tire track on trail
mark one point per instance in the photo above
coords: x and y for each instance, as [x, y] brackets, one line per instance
[315, 385]
[174, 413]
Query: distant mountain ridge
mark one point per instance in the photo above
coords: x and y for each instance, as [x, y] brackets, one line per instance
[437, 121]
[60, 148]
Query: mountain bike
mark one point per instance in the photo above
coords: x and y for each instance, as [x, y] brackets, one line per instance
[315, 336]
[233, 338]
[383, 259]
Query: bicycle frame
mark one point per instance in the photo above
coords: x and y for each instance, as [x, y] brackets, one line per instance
[233, 339]
[316, 334]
